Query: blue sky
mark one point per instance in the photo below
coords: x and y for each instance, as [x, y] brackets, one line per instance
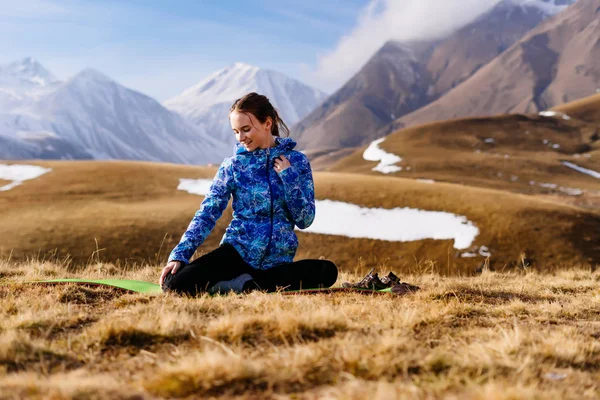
[161, 47]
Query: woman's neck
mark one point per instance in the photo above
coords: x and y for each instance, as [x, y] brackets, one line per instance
[271, 144]
[274, 142]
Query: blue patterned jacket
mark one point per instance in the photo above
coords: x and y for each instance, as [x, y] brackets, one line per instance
[266, 206]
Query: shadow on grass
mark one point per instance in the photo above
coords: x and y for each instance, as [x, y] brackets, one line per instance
[22, 356]
[135, 339]
[77, 294]
[493, 297]
[48, 329]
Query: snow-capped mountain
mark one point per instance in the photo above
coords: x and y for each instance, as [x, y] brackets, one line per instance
[21, 82]
[548, 7]
[25, 74]
[92, 116]
[207, 103]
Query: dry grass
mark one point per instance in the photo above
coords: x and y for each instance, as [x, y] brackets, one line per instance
[456, 151]
[494, 336]
[130, 213]
[586, 109]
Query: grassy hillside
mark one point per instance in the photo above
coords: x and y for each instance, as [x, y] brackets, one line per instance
[586, 109]
[131, 212]
[495, 336]
[517, 153]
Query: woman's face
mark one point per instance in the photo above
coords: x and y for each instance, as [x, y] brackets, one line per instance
[250, 132]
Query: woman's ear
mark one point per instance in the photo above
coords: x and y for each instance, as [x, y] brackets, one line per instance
[269, 124]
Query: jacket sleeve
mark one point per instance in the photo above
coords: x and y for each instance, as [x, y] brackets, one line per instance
[211, 208]
[299, 191]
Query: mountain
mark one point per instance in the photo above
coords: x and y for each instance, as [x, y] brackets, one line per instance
[25, 74]
[388, 86]
[23, 136]
[403, 77]
[459, 56]
[23, 81]
[113, 122]
[556, 62]
[207, 103]
[92, 116]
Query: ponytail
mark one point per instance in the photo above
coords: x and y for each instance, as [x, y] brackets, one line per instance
[260, 106]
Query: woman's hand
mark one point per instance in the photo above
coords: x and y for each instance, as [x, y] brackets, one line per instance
[281, 163]
[171, 267]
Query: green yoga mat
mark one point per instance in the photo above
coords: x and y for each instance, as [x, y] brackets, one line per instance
[125, 284]
[153, 288]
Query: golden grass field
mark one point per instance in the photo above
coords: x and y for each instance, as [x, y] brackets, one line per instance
[520, 335]
[521, 324]
[127, 212]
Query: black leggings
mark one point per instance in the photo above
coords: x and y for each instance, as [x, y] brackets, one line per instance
[224, 263]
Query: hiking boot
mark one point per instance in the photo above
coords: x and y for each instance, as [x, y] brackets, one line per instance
[370, 281]
[404, 288]
[390, 280]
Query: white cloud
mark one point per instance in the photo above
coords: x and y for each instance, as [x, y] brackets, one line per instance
[383, 20]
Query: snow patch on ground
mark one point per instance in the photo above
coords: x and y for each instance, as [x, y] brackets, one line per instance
[396, 225]
[571, 191]
[483, 251]
[17, 173]
[194, 186]
[567, 190]
[468, 255]
[386, 160]
[582, 170]
[550, 144]
[554, 114]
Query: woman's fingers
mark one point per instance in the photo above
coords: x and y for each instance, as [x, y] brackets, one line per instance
[171, 267]
[164, 273]
[175, 268]
[281, 163]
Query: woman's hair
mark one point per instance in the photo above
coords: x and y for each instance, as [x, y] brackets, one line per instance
[260, 106]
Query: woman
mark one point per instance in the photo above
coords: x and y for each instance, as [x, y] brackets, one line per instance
[273, 191]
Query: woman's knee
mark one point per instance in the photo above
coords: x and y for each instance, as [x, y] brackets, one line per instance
[169, 283]
[175, 283]
[329, 272]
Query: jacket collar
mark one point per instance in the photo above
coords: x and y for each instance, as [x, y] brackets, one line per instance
[281, 145]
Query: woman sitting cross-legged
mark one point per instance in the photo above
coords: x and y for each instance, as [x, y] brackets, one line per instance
[273, 191]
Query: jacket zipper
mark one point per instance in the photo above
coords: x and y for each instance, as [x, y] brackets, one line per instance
[271, 198]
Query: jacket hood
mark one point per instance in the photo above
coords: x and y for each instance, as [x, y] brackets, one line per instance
[281, 144]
